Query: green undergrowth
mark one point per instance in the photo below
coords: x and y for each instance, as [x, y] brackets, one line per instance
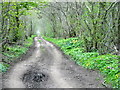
[106, 64]
[13, 52]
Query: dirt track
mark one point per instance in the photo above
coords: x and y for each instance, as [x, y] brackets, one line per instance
[47, 67]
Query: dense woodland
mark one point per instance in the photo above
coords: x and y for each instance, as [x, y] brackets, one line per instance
[97, 24]
[16, 26]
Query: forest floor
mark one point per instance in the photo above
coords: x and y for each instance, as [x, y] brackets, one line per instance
[45, 66]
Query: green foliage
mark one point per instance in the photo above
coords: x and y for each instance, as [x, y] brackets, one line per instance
[14, 27]
[3, 67]
[40, 40]
[29, 41]
[106, 64]
[15, 51]
[94, 22]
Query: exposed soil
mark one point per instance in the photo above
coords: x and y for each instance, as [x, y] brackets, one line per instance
[46, 67]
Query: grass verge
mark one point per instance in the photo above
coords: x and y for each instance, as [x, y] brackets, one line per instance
[13, 52]
[106, 64]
